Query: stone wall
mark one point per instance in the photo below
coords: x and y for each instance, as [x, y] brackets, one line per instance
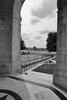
[5, 36]
[10, 36]
[5, 44]
[60, 77]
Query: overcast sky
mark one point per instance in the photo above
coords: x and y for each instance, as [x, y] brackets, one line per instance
[38, 18]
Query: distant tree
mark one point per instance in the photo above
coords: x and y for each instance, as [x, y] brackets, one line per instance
[34, 48]
[22, 45]
[52, 42]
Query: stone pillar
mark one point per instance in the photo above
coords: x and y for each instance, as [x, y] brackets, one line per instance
[60, 76]
[10, 36]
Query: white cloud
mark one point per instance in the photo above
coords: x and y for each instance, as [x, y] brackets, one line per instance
[26, 37]
[38, 37]
[45, 9]
[34, 21]
[42, 32]
[43, 18]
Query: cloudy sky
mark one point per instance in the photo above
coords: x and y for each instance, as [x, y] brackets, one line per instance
[38, 18]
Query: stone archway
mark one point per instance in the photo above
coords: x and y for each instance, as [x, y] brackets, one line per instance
[10, 36]
[10, 40]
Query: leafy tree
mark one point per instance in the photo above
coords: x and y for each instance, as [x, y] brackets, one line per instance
[34, 48]
[52, 42]
[22, 45]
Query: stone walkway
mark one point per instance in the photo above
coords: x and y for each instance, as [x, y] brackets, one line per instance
[30, 86]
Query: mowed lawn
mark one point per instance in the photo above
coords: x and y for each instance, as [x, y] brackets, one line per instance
[46, 68]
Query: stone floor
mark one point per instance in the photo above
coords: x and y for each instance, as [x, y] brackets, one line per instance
[30, 86]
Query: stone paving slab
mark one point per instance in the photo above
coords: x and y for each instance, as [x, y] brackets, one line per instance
[28, 87]
[42, 78]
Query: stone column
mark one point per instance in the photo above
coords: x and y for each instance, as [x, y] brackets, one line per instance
[10, 36]
[16, 36]
[60, 77]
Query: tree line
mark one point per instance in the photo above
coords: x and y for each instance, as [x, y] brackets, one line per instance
[51, 42]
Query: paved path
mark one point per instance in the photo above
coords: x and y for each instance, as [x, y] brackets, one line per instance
[30, 86]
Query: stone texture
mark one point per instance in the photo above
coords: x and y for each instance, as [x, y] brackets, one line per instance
[16, 33]
[60, 76]
[10, 36]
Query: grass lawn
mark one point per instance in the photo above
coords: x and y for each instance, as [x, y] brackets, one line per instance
[46, 68]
